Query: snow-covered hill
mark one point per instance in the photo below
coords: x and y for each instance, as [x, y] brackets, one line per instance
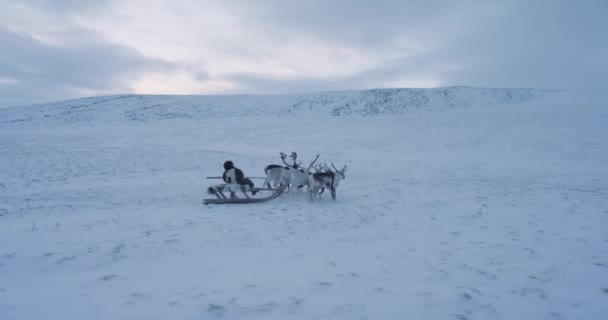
[340, 103]
[459, 203]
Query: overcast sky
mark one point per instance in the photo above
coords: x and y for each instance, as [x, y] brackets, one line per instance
[62, 49]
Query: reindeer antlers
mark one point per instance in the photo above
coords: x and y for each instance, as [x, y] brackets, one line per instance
[294, 156]
[323, 167]
[313, 162]
[296, 164]
[340, 171]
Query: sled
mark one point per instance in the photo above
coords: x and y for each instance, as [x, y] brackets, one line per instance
[236, 193]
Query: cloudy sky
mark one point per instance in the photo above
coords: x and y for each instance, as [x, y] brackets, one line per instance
[62, 49]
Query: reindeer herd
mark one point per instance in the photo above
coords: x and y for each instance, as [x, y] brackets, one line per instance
[295, 176]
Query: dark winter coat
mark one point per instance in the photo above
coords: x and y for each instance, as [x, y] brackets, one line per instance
[233, 175]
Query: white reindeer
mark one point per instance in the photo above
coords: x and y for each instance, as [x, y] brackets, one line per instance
[298, 176]
[325, 179]
[290, 174]
[276, 174]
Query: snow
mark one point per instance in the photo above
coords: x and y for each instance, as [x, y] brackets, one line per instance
[123, 108]
[459, 203]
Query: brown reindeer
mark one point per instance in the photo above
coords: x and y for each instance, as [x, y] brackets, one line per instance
[326, 179]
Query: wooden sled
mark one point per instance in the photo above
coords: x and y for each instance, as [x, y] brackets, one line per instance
[237, 194]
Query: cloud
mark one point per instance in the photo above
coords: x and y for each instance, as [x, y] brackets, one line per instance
[47, 56]
[281, 46]
[343, 22]
[404, 71]
[63, 7]
[42, 72]
[556, 44]
[544, 44]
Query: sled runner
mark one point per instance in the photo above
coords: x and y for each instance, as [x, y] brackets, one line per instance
[236, 193]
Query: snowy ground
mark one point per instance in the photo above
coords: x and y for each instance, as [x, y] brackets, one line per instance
[479, 212]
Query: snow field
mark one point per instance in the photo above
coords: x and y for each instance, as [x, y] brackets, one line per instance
[484, 212]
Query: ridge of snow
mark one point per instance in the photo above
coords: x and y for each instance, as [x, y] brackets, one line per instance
[338, 103]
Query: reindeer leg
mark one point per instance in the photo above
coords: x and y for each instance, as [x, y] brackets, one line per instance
[333, 193]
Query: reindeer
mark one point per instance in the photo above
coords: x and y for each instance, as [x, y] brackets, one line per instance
[298, 176]
[341, 174]
[325, 179]
[275, 173]
[279, 174]
[289, 174]
[322, 167]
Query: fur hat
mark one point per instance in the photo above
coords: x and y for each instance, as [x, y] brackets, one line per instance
[228, 165]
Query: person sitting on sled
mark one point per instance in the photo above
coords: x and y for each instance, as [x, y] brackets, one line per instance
[233, 174]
